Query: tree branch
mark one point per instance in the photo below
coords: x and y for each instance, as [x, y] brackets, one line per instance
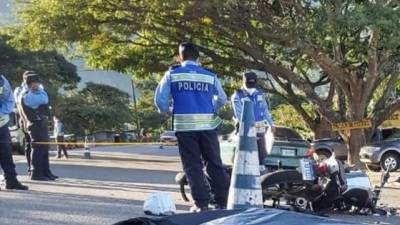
[372, 76]
[382, 109]
[381, 115]
[292, 99]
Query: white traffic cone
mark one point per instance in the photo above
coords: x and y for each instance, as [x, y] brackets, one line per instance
[245, 188]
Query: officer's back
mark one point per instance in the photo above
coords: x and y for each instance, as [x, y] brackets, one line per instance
[192, 82]
[197, 95]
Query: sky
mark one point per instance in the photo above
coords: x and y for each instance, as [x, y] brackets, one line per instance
[7, 12]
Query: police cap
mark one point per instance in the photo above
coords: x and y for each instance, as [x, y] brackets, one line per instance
[26, 73]
[250, 79]
[31, 78]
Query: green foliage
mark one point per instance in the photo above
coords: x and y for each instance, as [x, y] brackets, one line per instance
[146, 115]
[226, 127]
[95, 108]
[352, 45]
[286, 115]
[226, 114]
[275, 100]
[55, 70]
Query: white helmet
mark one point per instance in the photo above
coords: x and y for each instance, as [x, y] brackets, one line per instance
[159, 204]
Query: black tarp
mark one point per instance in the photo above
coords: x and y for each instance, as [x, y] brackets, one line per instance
[238, 217]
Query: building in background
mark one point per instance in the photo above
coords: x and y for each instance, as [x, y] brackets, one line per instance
[111, 78]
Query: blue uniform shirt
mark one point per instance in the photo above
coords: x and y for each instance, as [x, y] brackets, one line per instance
[197, 95]
[22, 89]
[260, 105]
[34, 99]
[163, 92]
[6, 97]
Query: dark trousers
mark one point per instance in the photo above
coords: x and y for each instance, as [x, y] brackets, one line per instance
[262, 148]
[61, 147]
[28, 150]
[6, 160]
[194, 148]
[40, 152]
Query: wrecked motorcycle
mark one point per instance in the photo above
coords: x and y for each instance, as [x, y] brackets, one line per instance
[319, 185]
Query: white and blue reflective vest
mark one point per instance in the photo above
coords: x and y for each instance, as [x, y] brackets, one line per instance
[6, 101]
[193, 90]
[261, 112]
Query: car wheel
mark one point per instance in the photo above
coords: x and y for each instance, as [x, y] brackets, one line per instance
[390, 159]
[375, 168]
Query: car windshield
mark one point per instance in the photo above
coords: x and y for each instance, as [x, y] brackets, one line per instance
[285, 133]
[394, 136]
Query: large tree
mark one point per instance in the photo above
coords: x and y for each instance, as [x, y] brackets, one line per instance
[349, 48]
[95, 108]
[55, 70]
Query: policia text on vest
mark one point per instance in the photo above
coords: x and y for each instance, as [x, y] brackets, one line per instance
[192, 81]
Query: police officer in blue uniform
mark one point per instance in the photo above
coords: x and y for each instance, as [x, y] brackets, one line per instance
[197, 95]
[261, 112]
[17, 93]
[36, 113]
[6, 161]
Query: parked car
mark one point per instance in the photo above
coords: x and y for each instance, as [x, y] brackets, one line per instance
[289, 147]
[384, 151]
[17, 136]
[326, 146]
[168, 138]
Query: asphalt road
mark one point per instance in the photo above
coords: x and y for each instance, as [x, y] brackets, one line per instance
[111, 187]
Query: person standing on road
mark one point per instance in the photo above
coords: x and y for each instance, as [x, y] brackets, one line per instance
[262, 116]
[35, 112]
[6, 161]
[58, 133]
[17, 92]
[197, 95]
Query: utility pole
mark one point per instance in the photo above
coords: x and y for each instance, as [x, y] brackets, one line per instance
[135, 108]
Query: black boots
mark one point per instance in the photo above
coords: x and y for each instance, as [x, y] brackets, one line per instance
[39, 177]
[51, 176]
[45, 176]
[14, 184]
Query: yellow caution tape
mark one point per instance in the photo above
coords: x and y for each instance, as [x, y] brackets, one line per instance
[94, 143]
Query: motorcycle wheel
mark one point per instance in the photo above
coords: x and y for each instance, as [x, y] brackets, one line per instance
[281, 177]
[280, 183]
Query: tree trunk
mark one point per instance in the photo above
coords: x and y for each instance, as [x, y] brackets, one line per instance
[323, 129]
[356, 136]
[355, 142]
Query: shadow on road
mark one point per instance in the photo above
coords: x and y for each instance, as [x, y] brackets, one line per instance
[130, 159]
[40, 208]
[106, 185]
[113, 174]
